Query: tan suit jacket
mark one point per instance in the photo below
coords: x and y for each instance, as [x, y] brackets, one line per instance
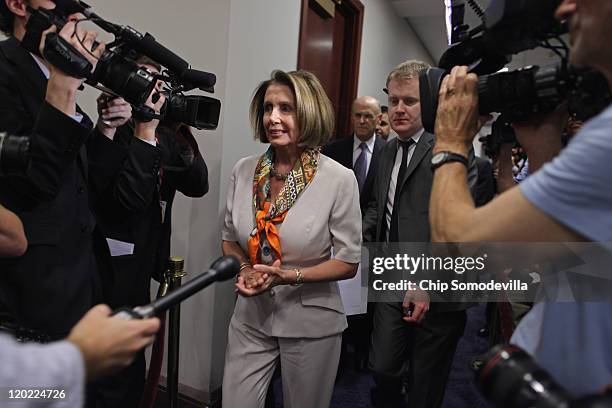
[326, 215]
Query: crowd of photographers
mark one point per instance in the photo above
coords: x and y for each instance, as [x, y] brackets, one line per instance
[95, 204]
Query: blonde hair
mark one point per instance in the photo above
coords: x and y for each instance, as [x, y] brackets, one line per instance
[407, 70]
[314, 111]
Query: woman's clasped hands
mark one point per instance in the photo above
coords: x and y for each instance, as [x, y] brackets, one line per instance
[256, 279]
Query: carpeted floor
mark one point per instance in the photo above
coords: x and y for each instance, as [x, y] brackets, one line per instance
[353, 388]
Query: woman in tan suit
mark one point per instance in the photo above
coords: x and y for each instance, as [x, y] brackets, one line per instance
[286, 210]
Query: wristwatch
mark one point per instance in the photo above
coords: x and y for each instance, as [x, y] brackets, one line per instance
[443, 157]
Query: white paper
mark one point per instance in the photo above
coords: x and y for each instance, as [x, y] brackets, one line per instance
[354, 296]
[119, 248]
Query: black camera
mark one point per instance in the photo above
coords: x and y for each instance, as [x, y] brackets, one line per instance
[510, 27]
[117, 69]
[201, 112]
[509, 378]
[501, 133]
[14, 154]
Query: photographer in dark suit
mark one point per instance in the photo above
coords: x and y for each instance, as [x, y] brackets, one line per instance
[67, 261]
[136, 217]
[46, 291]
[398, 212]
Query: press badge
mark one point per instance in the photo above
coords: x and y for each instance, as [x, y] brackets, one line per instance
[162, 205]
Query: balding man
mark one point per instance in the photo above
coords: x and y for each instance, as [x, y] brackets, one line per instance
[360, 152]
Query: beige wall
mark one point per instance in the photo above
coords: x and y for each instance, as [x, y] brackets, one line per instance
[387, 41]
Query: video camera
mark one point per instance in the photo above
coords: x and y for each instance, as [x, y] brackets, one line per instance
[14, 154]
[509, 27]
[118, 71]
[509, 377]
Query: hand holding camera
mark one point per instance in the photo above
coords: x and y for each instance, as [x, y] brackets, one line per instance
[145, 130]
[113, 112]
[71, 39]
[457, 117]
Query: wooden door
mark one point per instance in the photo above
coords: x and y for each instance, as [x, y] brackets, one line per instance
[330, 47]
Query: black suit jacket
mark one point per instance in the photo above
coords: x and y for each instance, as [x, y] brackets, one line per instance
[413, 200]
[56, 281]
[485, 187]
[414, 196]
[130, 211]
[342, 152]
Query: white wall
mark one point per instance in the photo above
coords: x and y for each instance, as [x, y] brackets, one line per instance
[386, 42]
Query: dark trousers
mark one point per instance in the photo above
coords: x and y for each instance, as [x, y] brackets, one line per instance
[123, 389]
[425, 350]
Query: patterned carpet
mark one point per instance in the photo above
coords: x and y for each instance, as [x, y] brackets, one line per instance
[353, 388]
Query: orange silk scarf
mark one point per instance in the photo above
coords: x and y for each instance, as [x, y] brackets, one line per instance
[264, 244]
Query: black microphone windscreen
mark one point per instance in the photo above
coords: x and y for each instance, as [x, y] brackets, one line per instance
[226, 267]
[199, 79]
[160, 54]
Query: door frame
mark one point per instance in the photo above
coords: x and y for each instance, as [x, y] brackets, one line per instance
[353, 12]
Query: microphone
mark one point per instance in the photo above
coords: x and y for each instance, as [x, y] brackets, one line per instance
[157, 52]
[222, 269]
[193, 78]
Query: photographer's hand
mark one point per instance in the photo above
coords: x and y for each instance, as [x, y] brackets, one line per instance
[146, 130]
[108, 343]
[62, 88]
[457, 118]
[113, 113]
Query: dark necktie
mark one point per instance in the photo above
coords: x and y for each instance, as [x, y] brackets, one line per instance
[393, 229]
[361, 166]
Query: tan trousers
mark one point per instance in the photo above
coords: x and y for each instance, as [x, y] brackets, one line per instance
[308, 368]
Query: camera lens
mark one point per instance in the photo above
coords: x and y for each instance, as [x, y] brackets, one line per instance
[509, 377]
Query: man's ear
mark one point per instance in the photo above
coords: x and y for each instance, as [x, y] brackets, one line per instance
[378, 118]
[17, 7]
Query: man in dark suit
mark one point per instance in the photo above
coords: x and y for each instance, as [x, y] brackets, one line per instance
[360, 152]
[415, 333]
[384, 127]
[138, 225]
[47, 290]
[485, 187]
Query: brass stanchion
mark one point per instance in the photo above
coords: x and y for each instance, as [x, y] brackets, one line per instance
[174, 276]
